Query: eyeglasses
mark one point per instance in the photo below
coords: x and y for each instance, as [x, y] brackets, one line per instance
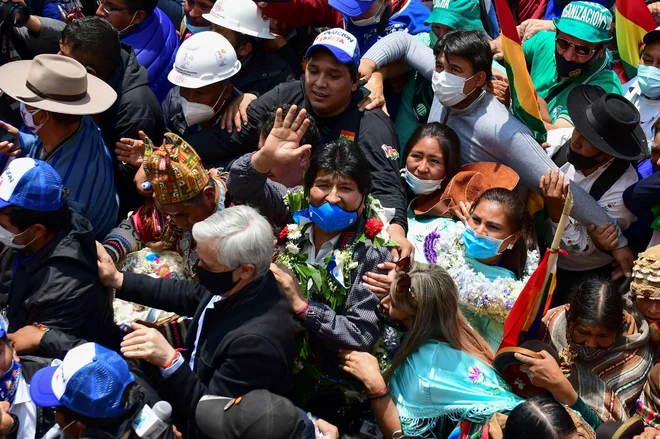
[580, 50]
[108, 9]
[404, 284]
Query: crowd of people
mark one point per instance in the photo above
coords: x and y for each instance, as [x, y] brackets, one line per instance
[312, 218]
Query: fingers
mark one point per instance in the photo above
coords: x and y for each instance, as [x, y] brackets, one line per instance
[381, 280]
[395, 254]
[302, 150]
[237, 121]
[289, 118]
[526, 360]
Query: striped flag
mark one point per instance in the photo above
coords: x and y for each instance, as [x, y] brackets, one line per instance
[524, 319]
[633, 21]
[523, 94]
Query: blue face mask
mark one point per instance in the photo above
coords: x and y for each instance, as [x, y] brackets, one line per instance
[195, 29]
[481, 246]
[648, 78]
[331, 218]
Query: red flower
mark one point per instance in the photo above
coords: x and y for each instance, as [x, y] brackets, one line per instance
[284, 232]
[373, 227]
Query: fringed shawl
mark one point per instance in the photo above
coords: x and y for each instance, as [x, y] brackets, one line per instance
[611, 384]
[438, 380]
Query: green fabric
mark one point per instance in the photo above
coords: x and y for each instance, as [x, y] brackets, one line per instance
[540, 58]
[587, 414]
[655, 225]
[585, 20]
[406, 122]
[491, 330]
[457, 14]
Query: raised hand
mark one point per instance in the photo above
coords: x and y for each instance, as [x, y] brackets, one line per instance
[283, 143]
[131, 151]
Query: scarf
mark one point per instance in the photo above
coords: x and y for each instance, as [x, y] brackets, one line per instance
[611, 383]
[648, 405]
[437, 381]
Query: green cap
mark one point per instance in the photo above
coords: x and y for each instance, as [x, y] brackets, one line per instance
[456, 14]
[587, 21]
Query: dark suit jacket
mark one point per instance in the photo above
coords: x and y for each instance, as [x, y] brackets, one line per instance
[246, 342]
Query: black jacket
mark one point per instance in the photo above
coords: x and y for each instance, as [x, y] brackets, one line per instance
[136, 109]
[374, 133]
[246, 342]
[262, 72]
[59, 287]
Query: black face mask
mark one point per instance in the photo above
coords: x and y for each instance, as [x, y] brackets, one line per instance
[581, 162]
[217, 283]
[570, 69]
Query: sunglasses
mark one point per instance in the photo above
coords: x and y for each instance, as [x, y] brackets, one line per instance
[404, 284]
[580, 50]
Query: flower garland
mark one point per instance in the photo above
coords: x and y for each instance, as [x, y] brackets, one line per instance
[491, 298]
[330, 281]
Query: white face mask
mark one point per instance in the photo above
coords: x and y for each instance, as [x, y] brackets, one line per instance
[195, 113]
[420, 186]
[7, 238]
[371, 20]
[28, 120]
[448, 88]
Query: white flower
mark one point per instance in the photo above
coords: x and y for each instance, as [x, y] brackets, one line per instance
[340, 257]
[293, 232]
[353, 265]
[383, 235]
[292, 248]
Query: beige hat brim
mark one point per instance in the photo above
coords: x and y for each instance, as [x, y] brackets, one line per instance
[100, 96]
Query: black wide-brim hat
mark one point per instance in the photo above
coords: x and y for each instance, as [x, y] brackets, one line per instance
[508, 366]
[615, 430]
[608, 121]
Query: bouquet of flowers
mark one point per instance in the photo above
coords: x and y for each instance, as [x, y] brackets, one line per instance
[492, 298]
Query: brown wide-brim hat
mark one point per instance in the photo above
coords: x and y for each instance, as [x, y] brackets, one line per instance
[468, 184]
[56, 83]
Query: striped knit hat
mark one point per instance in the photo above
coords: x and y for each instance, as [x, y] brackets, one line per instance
[646, 275]
[174, 170]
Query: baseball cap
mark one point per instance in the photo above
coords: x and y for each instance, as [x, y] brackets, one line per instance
[31, 184]
[587, 21]
[351, 8]
[342, 44]
[456, 14]
[258, 414]
[90, 381]
[652, 36]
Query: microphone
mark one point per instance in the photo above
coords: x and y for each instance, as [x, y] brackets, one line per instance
[151, 423]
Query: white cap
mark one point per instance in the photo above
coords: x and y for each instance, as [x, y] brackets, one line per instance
[243, 16]
[204, 58]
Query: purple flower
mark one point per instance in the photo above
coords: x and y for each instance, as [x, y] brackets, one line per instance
[429, 246]
[475, 375]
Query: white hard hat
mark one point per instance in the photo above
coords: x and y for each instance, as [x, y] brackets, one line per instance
[204, 58]
[243, 16]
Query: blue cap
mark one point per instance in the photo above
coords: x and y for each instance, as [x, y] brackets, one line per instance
[31, 184]
[343, 45]
[90, 381]
[351, 8]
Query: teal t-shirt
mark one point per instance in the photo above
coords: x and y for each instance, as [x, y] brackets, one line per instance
[540, 57]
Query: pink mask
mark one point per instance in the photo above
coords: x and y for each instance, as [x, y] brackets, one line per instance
[28, 119]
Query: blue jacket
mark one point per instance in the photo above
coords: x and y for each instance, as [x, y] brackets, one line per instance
[155, 43]
[410, 18]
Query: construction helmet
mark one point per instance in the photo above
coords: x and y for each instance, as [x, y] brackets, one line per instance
[203, 59]
[243, 16]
